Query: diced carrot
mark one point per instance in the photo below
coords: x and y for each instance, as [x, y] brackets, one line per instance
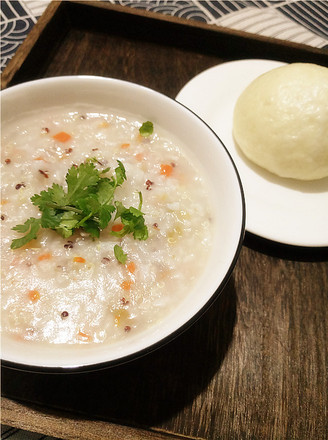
[84, 337]
[79, 260]
[4, 201]
[166, 170]
[131, 267]
[139, 157]
[125, 146]
[34, 295]
[62, 136]
[118, 227]
[126, 285]
[44, 257]
[40, 158]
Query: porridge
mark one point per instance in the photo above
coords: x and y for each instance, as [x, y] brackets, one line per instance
[106, 225]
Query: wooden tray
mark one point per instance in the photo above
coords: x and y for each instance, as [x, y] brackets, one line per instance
[254, 366]
[155, 50]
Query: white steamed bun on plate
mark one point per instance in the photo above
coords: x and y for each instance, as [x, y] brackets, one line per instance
[280, 121]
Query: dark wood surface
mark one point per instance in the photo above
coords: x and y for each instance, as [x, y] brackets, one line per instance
[255, 365]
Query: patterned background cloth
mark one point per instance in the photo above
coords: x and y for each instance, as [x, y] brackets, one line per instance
[298, 21]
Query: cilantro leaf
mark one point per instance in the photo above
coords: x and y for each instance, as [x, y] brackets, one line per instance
[69, 221]
[80, 181]
[119, 254]
[89, 204]
[146, 129]
[41, 200]
[140, 231]
[31, 227]
[50, 218]
[92, 227]
[105, 215]
[135, 212]
[106, 189]
[120, 209]
[58, 194]
[120, 173]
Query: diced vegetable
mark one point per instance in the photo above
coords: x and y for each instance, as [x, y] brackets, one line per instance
[79, 260]
[127, 284]
[117, 227]
[146, 129]
[43, 257]
[166, 170]
[62, 136]
[84, 337]
[34, 295]
[131, 267]
[119, 254]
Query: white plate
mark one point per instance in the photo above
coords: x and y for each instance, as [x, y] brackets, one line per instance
[283, 210]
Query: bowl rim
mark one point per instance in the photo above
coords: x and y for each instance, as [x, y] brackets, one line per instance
[88, 367]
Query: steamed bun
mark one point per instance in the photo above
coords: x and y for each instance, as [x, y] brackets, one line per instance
[280, 121]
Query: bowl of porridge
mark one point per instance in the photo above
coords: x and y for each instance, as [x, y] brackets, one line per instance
[122, 219]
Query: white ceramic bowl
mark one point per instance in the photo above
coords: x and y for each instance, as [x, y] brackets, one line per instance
[228, 205]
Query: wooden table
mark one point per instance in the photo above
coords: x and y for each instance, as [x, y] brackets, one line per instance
[255, 365]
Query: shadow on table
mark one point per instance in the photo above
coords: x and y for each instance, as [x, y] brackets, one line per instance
[144, 392]
[284, 251]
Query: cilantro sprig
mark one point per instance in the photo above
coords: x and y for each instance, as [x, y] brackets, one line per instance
[132, 220]
[87, 203]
